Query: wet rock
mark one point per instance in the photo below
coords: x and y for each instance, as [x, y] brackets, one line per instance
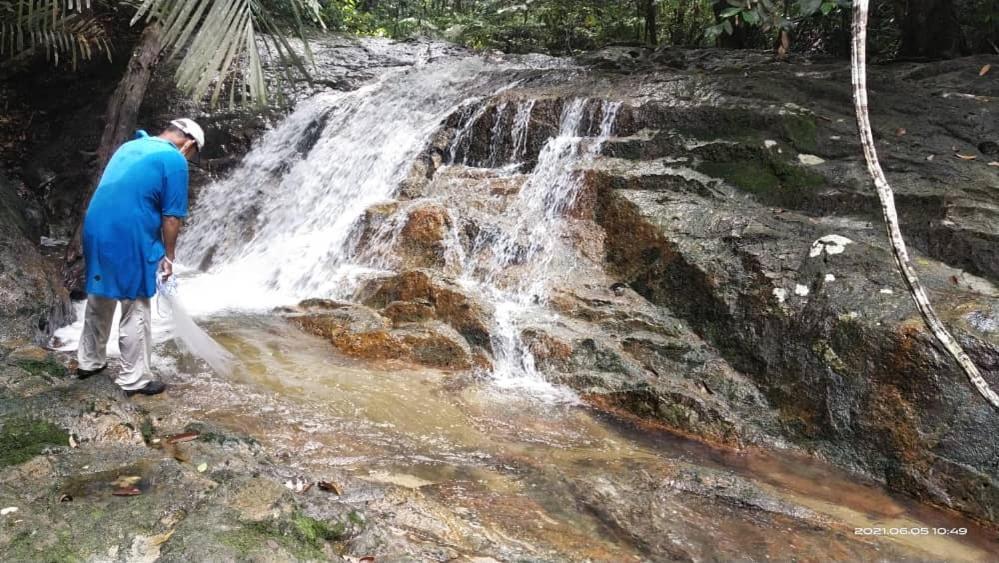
[450, 303]
[666, 513]
[33, 302]
[360, 332]
[402, 312]
[437, 345]
[423, 237]
[829, 353]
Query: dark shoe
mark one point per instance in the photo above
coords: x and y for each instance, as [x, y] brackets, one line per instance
[85, 373]
[151, 388]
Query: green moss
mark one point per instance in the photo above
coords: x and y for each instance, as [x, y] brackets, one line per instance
[22, 439]
[830, 357]
[316, 532]
[47, 368]
[302, 536]
[752, 176]
[147, 430]
[801, 132]
[771, 180]
[356, 517]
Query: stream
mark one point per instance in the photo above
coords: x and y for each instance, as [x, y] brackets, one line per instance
[498, 461]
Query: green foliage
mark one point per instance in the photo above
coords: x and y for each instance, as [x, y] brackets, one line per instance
[768, 14]
[557, 26]
[59, 28]
[218, 42]
[225, 41]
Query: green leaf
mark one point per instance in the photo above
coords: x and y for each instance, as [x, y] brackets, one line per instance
[729, 12]
[751, 17]
[828, 7]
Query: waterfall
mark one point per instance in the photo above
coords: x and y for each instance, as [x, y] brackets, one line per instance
[284, 226]
[278, 230]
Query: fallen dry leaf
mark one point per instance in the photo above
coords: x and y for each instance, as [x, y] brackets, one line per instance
[330, 487]
[8, 510]
[966, 156]
[985, 70]
[125, 481]
[900, 132]
[72, 442]
[930, 157]
[183, 437]
[127, 492]
[202, 468]
[160, 539]
[994, 163]
[65, 498]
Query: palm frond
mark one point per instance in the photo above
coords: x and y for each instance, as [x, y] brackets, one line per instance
[63, 29]
[219, 41]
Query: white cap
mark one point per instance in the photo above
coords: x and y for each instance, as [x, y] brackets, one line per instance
[189, 127]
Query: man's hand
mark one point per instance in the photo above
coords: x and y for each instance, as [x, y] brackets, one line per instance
[171, 229]
[166, 269]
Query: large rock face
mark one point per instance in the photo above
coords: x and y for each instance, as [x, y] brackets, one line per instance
[33, 302]
[731, 276]
[757, 226]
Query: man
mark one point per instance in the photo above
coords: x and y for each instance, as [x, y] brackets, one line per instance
[129, 237]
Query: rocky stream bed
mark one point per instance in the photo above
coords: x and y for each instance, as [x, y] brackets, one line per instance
[712, 265]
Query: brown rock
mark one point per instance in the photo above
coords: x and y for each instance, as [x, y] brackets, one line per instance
[422, 239]
[549, 352]
[408, 312]
[359, 332]
[437, 346]
[466, 315]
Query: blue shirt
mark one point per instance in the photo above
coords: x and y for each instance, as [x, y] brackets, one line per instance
[122, 242]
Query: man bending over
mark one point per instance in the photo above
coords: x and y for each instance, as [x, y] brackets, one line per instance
[129, 237]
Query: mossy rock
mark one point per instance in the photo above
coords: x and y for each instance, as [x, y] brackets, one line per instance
[47, 368]
[22, 439]
[801, 131]
[772, 181]
[302, 536]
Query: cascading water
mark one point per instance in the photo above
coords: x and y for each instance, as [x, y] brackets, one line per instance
[278, 230]
[282, 227]
[531, 238]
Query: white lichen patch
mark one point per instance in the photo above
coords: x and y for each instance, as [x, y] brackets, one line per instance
[809, 159]
[830, 244]
[801, 290]
[780, 293]
[830, 278]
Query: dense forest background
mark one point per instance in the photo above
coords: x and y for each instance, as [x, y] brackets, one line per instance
[66, 31]
[899, 28]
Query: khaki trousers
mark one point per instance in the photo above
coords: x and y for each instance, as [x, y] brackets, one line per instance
[134, 339]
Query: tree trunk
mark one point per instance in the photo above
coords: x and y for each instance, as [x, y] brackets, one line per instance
[651, 29]
[120, 121]
[933, 323]
[930, 29]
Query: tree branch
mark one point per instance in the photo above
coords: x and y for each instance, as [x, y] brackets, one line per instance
[859, 71]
